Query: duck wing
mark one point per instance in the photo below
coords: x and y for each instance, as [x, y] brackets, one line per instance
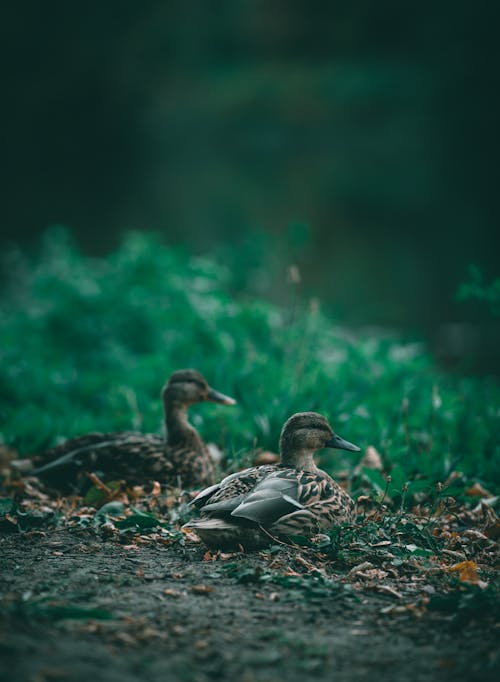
[134, 456]
[92, 448]
[275, 496]
[229, 493]
[295, 502]
[221, 489]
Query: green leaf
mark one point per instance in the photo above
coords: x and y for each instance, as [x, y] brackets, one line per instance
[398, 479]
[138, 519]
[418, 551]
[300, 540]
[6, 506]
[111, 509]
[65, 612]
[375, 478]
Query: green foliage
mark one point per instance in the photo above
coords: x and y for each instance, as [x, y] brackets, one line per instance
[394, 537]
[314, 586]
[88, 342]
[43, 609]
[138, 519]
[476, 290]
[13, 519]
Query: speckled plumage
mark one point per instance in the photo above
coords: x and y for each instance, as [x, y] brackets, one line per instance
[291, 498]
[182, 459]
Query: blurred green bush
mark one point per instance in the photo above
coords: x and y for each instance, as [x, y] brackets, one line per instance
[475, 289]
[88, 342]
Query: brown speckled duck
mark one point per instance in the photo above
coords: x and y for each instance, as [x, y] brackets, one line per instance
[181, 460]
[253, 507]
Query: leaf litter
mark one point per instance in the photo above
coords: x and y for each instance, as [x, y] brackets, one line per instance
[435, 557]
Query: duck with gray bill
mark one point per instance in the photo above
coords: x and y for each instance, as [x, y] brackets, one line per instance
[257, 506]
[182, 459]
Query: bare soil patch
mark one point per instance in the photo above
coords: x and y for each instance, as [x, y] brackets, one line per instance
[77, 605]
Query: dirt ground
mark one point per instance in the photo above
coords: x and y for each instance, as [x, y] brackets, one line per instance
[161, 611]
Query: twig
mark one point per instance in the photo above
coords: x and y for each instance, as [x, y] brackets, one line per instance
[387, 482]
[389, 590]
[99, 484]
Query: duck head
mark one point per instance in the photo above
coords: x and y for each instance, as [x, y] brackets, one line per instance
[303, 434]
[187, 386]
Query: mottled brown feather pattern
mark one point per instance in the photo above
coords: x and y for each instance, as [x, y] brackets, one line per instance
[181, 460]
[292, 498]
[327, 505]
[240, 483]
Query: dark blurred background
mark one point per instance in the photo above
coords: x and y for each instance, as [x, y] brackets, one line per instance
[358, 140]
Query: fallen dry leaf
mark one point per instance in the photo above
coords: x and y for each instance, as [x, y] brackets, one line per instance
[389, 590]
[372, 574]
[361, 567]
[178, 629]
[453, 554]
[202, 589]
[125, 638]
[467, 571]
[172, 593]
[306, 564]
[476, 537]
[150, 633]
[34, 492]
[291, 572]
[477, 490]
[192, 537]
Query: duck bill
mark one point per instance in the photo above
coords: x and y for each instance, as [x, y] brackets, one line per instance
[341, 444]
[216, 397]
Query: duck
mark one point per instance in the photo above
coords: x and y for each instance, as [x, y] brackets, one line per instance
[269, 503]
[181, 459]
